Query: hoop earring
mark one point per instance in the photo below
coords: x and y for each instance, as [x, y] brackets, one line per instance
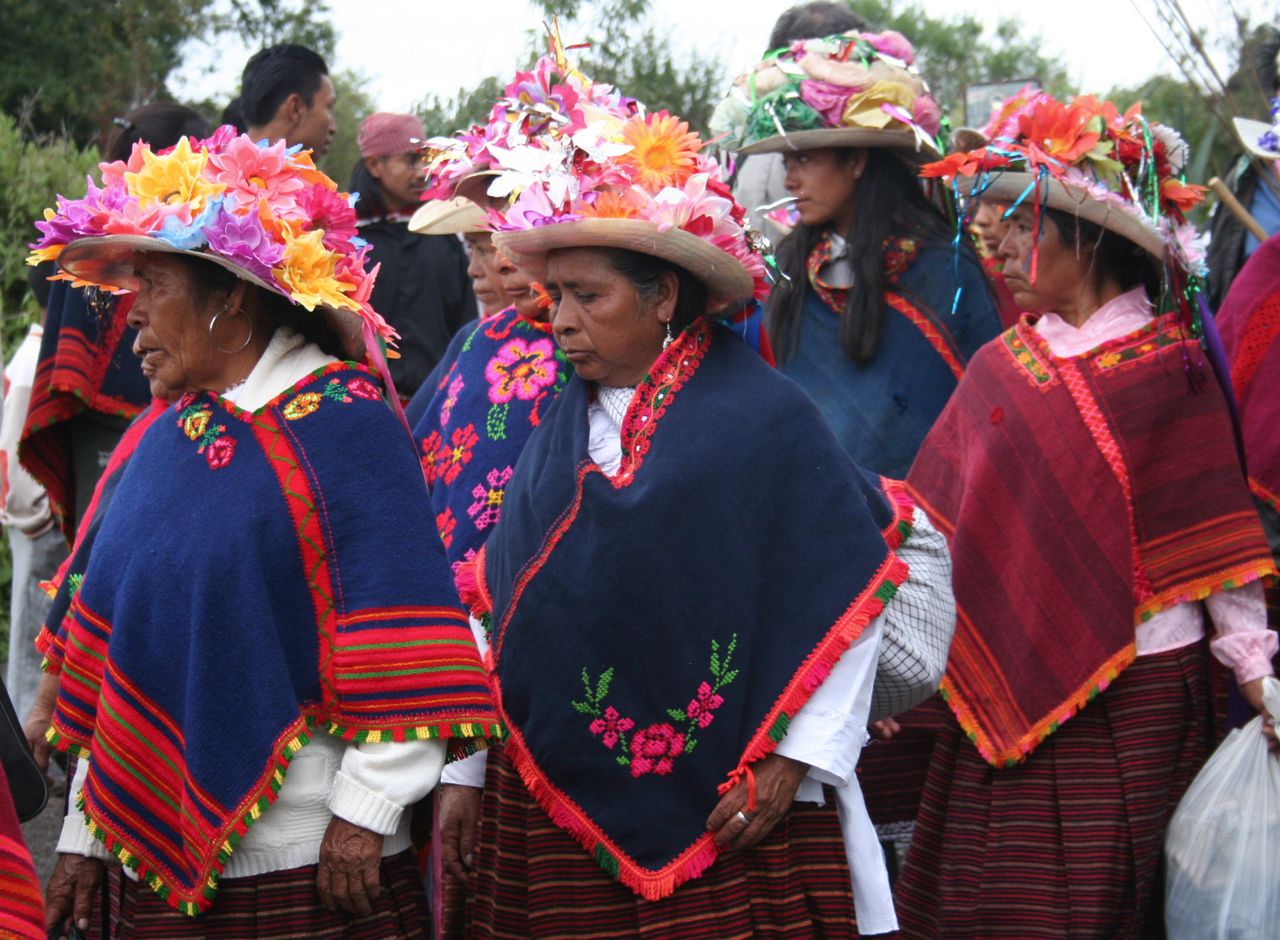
[228, 352]
[667, 342]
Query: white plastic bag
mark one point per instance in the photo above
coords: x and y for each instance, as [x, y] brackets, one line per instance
[1223, 843]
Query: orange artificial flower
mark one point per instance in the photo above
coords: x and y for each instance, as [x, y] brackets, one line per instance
[624, 205]
[1064, 133]
[965, 163]
[1182, 196]
[664, 150]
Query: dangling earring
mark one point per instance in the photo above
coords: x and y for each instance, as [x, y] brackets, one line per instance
[213, 325]
[667, 342]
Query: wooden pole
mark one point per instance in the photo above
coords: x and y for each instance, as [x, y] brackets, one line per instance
[1228, 199]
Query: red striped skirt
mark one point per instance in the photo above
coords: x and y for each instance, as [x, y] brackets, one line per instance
[1068, 843]
[533, 880]
[277, 905]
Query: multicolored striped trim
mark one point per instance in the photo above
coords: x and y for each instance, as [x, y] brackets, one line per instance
[21, 900]
[936, 336]
[1017, 753]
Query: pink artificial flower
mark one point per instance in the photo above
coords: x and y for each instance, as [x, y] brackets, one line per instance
[827, 98]
[892, 43]
[322, 208]
[252, 173]
[926, 113]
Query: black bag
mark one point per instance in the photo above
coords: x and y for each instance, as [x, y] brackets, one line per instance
[26, 782]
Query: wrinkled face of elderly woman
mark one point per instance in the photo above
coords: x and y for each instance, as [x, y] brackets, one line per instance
[1063, 280]
[606, 328]
[179, 353]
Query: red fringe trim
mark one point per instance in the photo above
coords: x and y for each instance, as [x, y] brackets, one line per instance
[472, 590]
[693, 861]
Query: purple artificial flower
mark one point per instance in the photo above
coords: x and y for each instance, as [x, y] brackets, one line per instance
[243, 240]
[79, 218]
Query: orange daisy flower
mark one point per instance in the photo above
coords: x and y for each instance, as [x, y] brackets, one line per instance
[609, 205]
[664, 150]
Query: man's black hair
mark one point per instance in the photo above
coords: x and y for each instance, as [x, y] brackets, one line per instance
[275, 73]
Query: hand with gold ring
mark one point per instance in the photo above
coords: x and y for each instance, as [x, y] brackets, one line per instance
[776, 780]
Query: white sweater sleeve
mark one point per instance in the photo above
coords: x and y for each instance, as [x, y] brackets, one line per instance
[76, 839]
[377, 781]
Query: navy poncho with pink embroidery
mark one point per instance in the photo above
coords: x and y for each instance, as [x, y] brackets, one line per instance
[653, 632]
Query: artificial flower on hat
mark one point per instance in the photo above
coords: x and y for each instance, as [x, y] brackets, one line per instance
[854, 89]
[544, 115]
[1085, 156]
[260, 209]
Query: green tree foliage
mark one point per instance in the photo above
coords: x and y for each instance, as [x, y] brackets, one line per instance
[33, 171]
[70, 66]
[955, 51]
[352, 106]
[626, 50]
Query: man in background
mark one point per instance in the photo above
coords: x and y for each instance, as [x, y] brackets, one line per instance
[286, 94]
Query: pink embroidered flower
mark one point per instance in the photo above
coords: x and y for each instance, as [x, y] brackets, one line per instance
[654, 749]
[219, 453]
[445, 524]
[446, 409]
[521, 370]
[610, 726]
[702, 707]
[450, 460]
[363, 388]
[488, 500]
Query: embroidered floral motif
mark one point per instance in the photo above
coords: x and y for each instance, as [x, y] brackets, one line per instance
[654, 749]
[487, 507]
[430, 448]
[446, 409]
[445, 524]
[667, 376]
[451, 459]
[899, 253]
[309, 402]
[1152, 340]
[1022, 354]
[196, 421]
[521, 370]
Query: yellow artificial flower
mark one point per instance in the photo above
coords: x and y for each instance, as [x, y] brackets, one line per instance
[307, 273]
[663, 153]
[863, 108]
[174, 178]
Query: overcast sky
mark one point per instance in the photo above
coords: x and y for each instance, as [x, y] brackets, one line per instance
[409, 48]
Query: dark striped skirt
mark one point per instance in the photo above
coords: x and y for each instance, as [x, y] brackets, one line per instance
[533, 880]
[1069, 843]
[277, 905]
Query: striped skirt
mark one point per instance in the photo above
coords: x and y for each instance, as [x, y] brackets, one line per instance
[533, 880]
[1069, 843]
[277, 905]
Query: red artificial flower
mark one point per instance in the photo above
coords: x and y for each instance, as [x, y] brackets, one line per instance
[964, 163]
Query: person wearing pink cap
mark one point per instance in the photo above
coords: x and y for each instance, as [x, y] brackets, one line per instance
[422, 288]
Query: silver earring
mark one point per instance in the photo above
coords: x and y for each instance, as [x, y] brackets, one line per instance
[667, 342]
[228, 352]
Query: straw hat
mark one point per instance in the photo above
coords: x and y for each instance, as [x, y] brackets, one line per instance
[850, 90]
[1086, 158]
[1260, 139]
[456, 216]
[725, 276]
[265, 213]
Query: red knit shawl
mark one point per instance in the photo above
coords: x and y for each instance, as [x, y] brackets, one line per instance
[1249, 322]
[1080, 496]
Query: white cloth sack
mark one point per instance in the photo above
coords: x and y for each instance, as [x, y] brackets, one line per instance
[1223, 843]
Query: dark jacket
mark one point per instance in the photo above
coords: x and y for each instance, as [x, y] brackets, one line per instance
[423, 291]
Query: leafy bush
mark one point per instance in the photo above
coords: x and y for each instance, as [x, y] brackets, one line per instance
[33, 173]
